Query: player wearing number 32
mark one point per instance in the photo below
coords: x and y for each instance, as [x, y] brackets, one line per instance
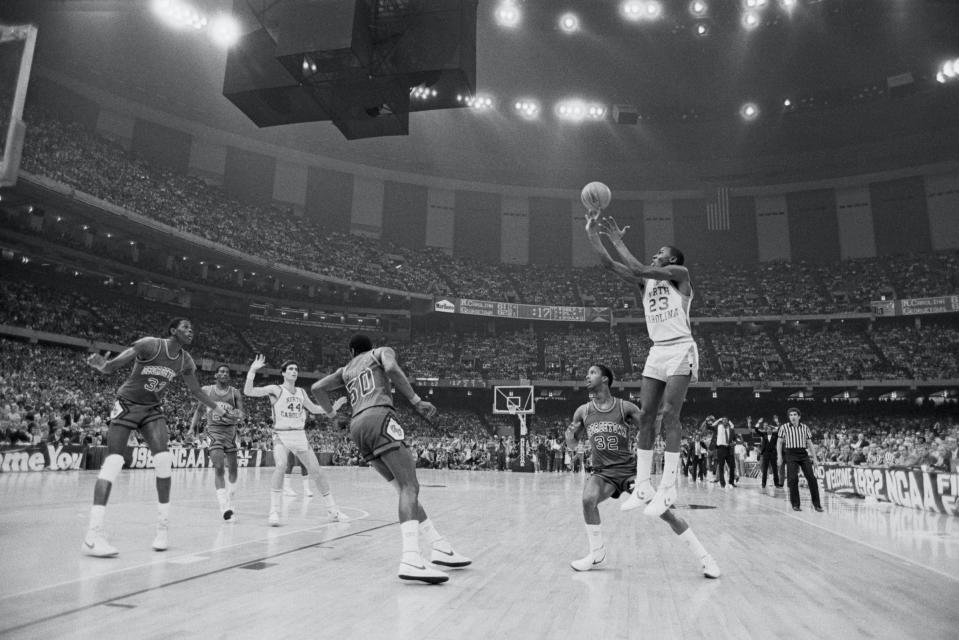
[156, 363]
[290, 404]
[606, 421]
[380, 438]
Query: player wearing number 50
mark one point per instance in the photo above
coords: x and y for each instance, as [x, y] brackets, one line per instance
[156, 363]
[605, 421]
[380, 439]
[290, 404]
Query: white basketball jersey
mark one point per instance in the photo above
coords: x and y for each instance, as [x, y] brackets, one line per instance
[288, 410]
[667, 312]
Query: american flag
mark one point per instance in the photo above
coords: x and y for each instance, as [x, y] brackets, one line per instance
[717, 212]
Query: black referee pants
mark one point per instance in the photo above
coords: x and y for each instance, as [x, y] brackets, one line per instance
[799, 459]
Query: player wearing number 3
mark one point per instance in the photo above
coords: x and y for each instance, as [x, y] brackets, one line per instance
[156, 363]
[606, 422]
[380, 439]
[290, 404]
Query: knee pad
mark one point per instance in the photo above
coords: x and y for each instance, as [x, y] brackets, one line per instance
[163, 464]
[110, 468]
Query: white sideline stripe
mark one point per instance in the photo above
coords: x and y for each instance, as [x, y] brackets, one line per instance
[186, 558]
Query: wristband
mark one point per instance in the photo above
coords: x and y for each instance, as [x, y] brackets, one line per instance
[416, 399]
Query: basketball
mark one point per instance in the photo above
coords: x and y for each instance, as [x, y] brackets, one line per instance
[595, 195]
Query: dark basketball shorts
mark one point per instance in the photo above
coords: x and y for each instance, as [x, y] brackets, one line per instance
[134, 416]
[376, 431]
[222, 437]
[622, 477]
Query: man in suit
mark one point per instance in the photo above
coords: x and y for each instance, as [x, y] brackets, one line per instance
[724, 451]
[767, 452]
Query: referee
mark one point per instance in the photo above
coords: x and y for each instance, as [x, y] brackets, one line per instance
[795, 440]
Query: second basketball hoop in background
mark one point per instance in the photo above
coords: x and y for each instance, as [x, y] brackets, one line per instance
[595, 196]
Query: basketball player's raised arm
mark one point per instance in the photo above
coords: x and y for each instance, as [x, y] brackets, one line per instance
[402, 383]
[592, 234]
[104, 365]
[673, 272]
[257, 392]
[575, 430]
[609, 228]
[321, 391]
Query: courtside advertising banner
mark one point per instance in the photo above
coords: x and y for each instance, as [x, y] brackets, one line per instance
[925, 490]
[42, 457]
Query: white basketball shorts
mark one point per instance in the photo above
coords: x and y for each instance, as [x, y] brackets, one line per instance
[680, 359]
[293, 440]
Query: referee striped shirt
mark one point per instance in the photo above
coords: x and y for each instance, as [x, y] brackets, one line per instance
[794, 437]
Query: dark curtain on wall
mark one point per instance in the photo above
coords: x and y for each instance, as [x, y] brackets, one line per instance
[813, 225]
[163, 145]
[248, 176]
[61, 102]
[900, 216]
[329, 198]
[550, 234]
[477, 225]
[404, 214]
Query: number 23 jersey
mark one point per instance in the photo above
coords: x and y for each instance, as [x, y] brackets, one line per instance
[608, 434]
[367, 383]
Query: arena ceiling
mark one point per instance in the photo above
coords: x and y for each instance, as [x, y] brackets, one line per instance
[836, 55]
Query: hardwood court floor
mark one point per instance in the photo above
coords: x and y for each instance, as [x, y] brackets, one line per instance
[856, 571]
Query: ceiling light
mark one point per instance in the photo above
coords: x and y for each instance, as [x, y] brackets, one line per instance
[225, 31]
[569, 22]
[631, 10]
[749, 111]
[507, 14]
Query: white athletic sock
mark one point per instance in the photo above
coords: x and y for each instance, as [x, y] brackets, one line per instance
[644, 462]
[275, 499]
[670, 465]
[410, 531]
[163, 511]
[306, 483]
[436, 539]
[594, 533]
[695, 546]
[97, 512]
[221, 497]
[329, 501]
[230, 488]
[286, 480]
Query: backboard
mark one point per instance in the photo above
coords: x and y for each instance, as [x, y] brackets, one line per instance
[511, 400]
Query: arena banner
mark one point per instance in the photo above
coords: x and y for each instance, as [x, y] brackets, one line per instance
[916, 306]
[42, 457]
[189, 458]
[925, 490]
[515, 310]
